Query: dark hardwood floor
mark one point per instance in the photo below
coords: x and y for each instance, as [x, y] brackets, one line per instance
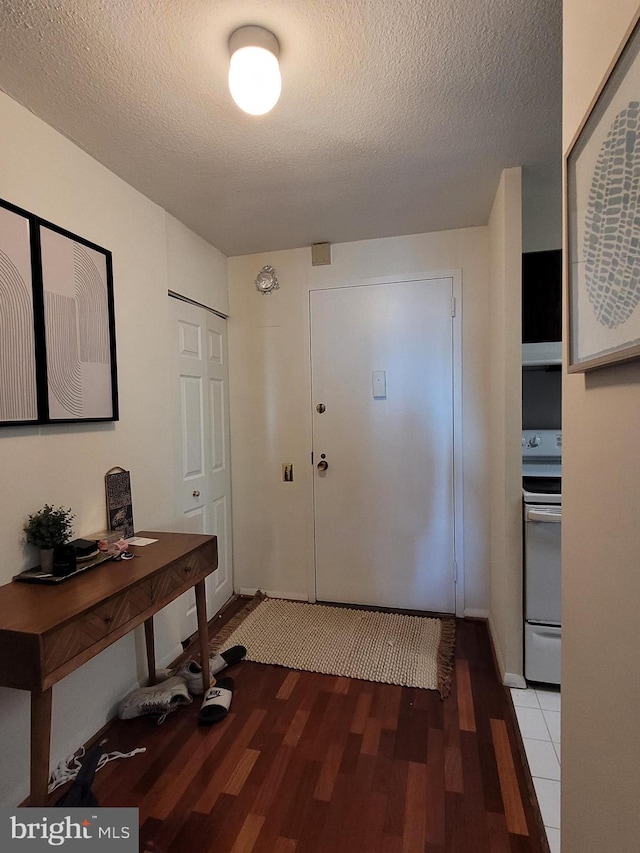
[314, 764]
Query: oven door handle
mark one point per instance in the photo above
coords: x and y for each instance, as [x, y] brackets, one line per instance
[544, 515]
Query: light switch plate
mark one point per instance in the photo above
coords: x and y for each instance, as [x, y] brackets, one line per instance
[379, 383]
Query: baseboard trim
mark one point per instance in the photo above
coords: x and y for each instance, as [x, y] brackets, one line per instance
[475, 613]
[510, 679]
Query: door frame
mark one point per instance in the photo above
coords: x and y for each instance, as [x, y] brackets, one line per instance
[458, 473]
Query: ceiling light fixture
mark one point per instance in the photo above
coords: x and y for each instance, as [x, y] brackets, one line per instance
[254, 70]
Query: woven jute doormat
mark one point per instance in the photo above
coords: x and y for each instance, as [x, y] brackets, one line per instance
[414, 651]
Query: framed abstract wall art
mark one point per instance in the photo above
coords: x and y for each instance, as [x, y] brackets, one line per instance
[603, 221]
[18, 374]
[57, 324]
[78, 323]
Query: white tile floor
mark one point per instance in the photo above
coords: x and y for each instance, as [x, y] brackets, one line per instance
[538, 713]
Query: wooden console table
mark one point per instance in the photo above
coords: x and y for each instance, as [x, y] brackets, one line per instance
[47, 632]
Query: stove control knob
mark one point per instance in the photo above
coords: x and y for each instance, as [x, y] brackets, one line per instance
[524, 441]
[534, 441]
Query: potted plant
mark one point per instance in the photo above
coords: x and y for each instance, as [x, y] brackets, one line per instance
[48, 528]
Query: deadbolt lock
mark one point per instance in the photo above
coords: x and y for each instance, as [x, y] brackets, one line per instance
[321, 408]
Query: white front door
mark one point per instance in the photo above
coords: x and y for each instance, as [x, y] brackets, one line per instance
[203, 476]
[383, 369]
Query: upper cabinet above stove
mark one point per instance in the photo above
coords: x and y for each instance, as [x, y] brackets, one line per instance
[542, 308]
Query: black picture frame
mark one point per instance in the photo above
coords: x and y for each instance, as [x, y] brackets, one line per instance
[603, 220]
[58, 321]
[79, 327]
[20, 314]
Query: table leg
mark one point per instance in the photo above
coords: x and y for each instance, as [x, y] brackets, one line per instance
[40, 746]
[203, 632]
[151, 649]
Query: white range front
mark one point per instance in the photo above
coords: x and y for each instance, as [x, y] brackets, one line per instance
[542, 513]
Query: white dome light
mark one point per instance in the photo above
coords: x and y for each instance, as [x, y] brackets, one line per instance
[254, 71]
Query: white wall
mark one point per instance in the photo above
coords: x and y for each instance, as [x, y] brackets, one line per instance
[195, 268]
[271, 400]
[506, 426]
[601, 533]
[44, 173]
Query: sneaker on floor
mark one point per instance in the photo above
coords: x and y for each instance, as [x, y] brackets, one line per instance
[191, 672]
[156, 699]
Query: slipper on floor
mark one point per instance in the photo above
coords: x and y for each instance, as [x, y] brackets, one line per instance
[216, 703]
[219, 662]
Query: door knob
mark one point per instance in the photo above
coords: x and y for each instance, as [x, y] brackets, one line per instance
[323, 465]
[196, 493]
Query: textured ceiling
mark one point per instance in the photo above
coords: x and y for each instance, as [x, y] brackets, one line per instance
[396, 116]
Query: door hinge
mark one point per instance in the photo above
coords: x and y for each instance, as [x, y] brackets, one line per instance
[455, 571]
[453, 306]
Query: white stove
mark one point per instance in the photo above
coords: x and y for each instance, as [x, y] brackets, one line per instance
[542, 466]
[542, 513]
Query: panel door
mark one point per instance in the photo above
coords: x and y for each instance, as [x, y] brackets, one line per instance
[382, 398]
[203, 480]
